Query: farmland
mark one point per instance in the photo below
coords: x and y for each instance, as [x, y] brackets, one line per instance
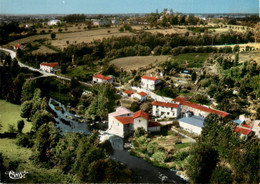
[137, 62]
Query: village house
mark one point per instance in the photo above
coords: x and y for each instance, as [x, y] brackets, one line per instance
[123, 122]
[193, 115]
[141, 96]
[190, 123]
[196, 109]
[128, 93]
[243, 132]
[50, 67]
[18, 46]
[246, 123]
[150, 83]
[101, 78]
[166, 110]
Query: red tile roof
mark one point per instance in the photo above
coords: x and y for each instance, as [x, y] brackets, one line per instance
[102, 77]
[125, 119]
[50, 64]
[18, 46]
[164, 104]
[142, 93]
[153, 124]
[179, 99]
[245, 125]
[129, 92]
[142, 114]
[199, 107]
[149, 78]
[243, 131]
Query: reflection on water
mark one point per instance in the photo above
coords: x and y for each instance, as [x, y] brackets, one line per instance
[145, 171]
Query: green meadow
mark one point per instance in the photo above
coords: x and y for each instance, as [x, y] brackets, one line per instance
[9, 115]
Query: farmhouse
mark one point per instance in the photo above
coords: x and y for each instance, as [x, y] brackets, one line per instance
[123, 122]
[196, 109]
[128, 93]
[141, 96]
[150, 83]
[18, 46]
[101, 78]
[166, 110]
[243, 132]
[50, 67]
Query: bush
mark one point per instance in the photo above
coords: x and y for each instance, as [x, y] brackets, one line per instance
[24, 140]
[20, 126]
[159, 156]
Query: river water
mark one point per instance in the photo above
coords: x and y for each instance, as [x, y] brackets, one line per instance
[145, 171]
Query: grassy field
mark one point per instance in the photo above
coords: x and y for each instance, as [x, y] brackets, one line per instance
[83, 73]
[136, 62]
[10, 114]
[11, 152]
[246, 56]
[191, 59]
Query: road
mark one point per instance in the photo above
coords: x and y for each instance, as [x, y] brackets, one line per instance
[45, 74]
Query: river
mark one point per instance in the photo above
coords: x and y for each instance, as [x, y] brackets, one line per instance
[145, 171]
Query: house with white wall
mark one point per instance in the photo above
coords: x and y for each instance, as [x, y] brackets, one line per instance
[115, 125]
[128, 93]
[166, 110]
[50, 67]
[123, 122]
[196, 109]
[141, 96]
[190, 123]
[101, 78]
[150, 83]
[53, 22]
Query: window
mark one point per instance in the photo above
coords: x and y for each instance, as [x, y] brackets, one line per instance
[168, 113]
[117, 124]
[139, 120]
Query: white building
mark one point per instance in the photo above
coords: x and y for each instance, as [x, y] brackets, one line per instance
[256, 128]
[98, 22]
[49, 67]
[193, 124]
[141, 96]
[115, 125]
[53, 22]
[196, 109]
[101, 78]
[128, 93]
[166, 110]
[141, 120]
[123, 122]
[150, 83]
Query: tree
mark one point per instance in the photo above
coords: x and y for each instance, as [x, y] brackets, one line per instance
[53, 36]
[20, 126]
[202, 162]
[26, 109]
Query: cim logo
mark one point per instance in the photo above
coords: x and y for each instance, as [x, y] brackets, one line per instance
[16, 175]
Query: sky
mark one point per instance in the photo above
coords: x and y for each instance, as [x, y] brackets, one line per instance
[126, 6]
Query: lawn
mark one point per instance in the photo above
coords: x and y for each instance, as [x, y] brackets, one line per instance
[12, 152]
[10, 114]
